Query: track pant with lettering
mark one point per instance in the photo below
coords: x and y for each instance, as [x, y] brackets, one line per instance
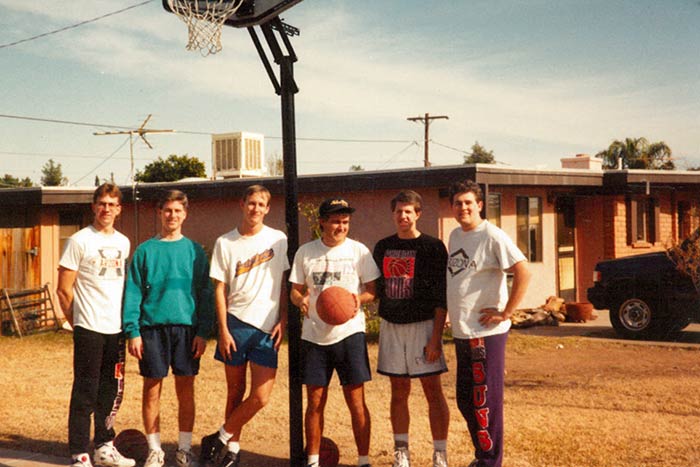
[98, 383]
[480, 380]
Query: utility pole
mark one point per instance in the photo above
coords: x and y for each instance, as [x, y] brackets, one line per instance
[426, 119]
[141, 131]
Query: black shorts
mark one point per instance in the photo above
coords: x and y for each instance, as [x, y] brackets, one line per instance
[348, 357]
[168, 347]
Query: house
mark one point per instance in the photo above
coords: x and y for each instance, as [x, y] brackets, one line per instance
[564, 220]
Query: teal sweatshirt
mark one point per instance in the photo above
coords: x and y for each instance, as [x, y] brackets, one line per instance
[168, 283]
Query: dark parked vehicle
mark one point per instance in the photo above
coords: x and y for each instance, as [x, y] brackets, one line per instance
[648, 297]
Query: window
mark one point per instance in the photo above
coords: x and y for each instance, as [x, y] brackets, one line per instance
[683, 220]
[529, 225]
[642, 220]
[68, 224]
[493, 208]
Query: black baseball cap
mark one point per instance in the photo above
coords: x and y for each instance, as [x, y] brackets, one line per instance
[334, 206]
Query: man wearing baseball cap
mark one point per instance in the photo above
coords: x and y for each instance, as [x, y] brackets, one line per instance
[334, 260]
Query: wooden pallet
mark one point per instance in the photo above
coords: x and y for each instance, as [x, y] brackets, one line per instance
[27, 311]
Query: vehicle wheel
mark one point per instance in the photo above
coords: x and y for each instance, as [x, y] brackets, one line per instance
[633, 318]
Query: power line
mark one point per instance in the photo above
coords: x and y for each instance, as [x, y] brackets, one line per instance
[82, 23]
[126, 140]
[192, 132]
[67, 156]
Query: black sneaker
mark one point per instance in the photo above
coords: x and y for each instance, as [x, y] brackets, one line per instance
[230, 459]
[211, 448]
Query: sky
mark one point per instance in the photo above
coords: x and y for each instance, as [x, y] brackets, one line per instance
[532, 80]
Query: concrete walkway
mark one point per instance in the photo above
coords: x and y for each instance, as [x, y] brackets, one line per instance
[11, 458]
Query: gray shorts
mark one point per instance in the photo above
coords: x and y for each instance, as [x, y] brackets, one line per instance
[402, 350]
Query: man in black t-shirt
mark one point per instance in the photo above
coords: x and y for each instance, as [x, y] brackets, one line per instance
[412, 308]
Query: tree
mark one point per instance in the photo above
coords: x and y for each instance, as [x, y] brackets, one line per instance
[356, 168]
[8, 181]
[172, 169]
[479, 155]
[637, 153]
[52, 174]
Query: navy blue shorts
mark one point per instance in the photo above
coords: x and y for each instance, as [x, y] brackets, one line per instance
[348, 357]
[168, 347]
[252, 344]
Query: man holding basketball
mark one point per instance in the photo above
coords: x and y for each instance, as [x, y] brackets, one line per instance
[90, 285]
[480, 307]
[248, 268]
[334, 260]
[168, 315]
[413, 309]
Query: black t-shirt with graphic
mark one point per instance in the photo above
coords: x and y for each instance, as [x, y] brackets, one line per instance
[413, 278]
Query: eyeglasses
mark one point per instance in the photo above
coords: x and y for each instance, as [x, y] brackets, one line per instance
[109, 206]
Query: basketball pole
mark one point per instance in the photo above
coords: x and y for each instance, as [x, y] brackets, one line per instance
[286, 88]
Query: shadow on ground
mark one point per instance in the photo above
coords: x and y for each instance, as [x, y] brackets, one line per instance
[600, 328]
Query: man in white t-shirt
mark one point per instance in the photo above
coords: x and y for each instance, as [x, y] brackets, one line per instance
[479, 307]
[248, 268]
[90, 285]
[334, 260]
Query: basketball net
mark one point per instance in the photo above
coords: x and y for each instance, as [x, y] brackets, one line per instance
[204, 20]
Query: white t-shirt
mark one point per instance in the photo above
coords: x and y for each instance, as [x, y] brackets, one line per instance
[253, 268]
[100, 260]
[348, 265]
[476, 278]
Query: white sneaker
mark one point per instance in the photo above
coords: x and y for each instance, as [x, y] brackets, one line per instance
[184, 458]
[439, 458]
[81, 460]
[156, 458]
[401, 457]
[107, 455]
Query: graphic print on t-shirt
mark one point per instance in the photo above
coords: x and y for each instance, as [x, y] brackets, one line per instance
[326, 272]
[257, 259]
[110, 262]
[459, 261]
[399, 270]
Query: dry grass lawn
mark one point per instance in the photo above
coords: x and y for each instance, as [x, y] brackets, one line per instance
[570, 402]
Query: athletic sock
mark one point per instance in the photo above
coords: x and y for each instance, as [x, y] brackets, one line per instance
[224, 435]
[154, 441]
[440, 444]
[313, 459]
[363, 460]
[400, 440]
[185, 441]
[234, 446]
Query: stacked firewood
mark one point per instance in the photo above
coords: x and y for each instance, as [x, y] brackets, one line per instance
[553, 312]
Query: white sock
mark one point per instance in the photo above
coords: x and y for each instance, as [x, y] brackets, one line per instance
[440, 444]
[224, 435]
[401, 439]
[234, 446]
[313, 459]
[185, 441]
[362, 460]
[154, 441]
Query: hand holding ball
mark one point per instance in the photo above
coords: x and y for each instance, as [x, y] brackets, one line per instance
[336, 305]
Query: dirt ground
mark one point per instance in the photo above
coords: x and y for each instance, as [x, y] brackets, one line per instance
[571, 401]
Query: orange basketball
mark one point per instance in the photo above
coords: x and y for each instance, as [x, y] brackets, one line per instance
[335, 305]
[329, 456]
[133, 444]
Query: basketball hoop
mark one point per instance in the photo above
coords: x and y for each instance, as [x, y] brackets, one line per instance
[204, 20]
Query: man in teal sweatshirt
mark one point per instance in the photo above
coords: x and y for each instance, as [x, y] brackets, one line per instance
[168, 315]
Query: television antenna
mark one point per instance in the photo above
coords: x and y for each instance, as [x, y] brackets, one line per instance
[141, 131]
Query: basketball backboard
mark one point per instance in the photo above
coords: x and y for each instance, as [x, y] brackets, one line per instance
[249, 13]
